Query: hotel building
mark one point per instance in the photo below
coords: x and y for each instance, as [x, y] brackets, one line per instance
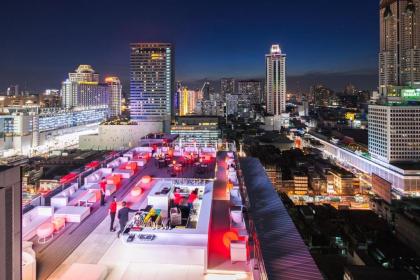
[152, 82]
[275, 79]
[83, 90]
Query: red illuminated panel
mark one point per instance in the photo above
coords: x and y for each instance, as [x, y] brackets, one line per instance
[68, 178]
[93, 164]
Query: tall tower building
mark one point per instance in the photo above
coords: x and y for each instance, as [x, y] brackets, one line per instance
[399, 57]
[275, 78]
[83, 90]
[10, 223]
[152, 82]
[394, 126]
[115, 93]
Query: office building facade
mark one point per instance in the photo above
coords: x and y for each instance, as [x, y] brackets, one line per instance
[227, 86]
[251, 89]
[275, 81]
[399, 57]
[152, 82]
[394, 133]
[10, 223]
[200, 131]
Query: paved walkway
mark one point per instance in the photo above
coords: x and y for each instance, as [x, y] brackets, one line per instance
[52, 254]
[219, 255]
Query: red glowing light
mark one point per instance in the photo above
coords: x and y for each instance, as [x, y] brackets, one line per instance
[229, 237]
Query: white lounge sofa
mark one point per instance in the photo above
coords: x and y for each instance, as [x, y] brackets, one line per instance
[73, 214]
[62, 199]
[125, 174]
[33, 219]
[96, 176]
[117, 162]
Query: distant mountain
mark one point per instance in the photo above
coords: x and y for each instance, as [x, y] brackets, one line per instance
[365, 79]
[362, 80]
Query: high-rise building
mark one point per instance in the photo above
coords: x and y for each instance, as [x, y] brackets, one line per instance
[275, 79]
[115, 94]
[10, 223]
[399, 57]
[251, 89]
[394, 126]
[227, 86]
[207, 91]
[152, 82]
[83, 90]
[13, 90]
[188, 100]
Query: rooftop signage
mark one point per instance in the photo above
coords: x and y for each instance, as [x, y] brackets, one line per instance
[411, 94]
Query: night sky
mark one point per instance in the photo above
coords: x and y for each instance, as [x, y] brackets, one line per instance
[334, 42]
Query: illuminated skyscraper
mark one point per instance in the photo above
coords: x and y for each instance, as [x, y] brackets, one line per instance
[394, 125]
[188, 101]
[115, 91]
[152, 82]
[275, 79]
[83, 90]
[399, 57]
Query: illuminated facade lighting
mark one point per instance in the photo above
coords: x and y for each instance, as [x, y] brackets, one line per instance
[275, 81]
[152, 82]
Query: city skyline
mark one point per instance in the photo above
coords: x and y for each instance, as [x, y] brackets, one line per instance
[331, 46]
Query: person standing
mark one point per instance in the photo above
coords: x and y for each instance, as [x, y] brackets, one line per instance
[112, 213]
[192, 198]
[123, 217]
[102, 185]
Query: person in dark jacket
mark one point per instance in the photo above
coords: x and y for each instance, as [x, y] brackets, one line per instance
[102, 185]
[123, 217]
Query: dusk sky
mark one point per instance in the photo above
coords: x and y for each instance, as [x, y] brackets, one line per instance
[41, 41]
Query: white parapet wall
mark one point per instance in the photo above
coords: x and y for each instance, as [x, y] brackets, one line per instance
[118, 137]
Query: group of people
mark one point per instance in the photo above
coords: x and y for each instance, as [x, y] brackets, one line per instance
[178, 198]
[122, 215]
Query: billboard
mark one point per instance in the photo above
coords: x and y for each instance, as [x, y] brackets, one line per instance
[411, 94]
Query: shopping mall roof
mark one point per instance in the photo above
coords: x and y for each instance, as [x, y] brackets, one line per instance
[284, 253]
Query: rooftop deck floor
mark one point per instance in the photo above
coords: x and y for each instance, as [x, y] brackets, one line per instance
[87, 241]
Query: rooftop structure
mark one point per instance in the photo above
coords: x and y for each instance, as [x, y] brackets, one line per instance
[170, 235]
